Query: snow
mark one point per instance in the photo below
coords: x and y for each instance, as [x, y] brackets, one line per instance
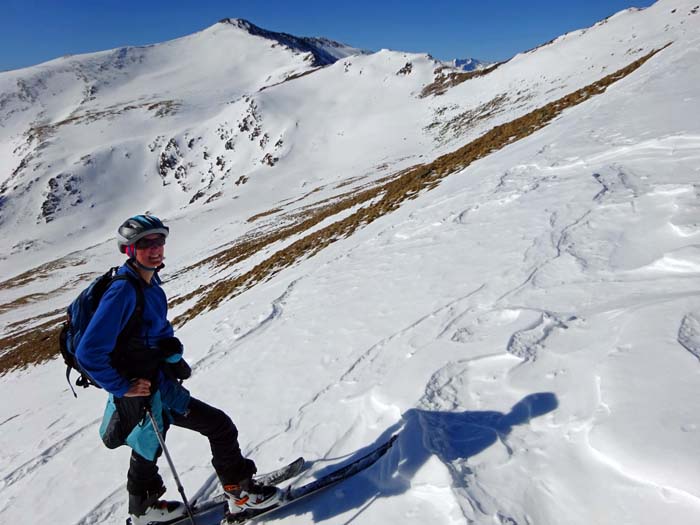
[530, 327]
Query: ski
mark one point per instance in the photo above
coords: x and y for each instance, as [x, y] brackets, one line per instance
[213, 511]
[294, 494]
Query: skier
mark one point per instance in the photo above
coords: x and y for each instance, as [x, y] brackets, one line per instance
[140, 368]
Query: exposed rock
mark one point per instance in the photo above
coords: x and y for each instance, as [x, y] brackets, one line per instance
[406, 69]
[213, 197]
[62, 189]
[269, 159]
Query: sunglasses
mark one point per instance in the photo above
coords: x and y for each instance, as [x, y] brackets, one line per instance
[144, 244]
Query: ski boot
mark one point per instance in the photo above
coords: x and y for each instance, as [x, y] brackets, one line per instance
[148, 509]
[249, 495]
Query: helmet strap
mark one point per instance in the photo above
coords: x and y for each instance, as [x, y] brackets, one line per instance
[135, 261]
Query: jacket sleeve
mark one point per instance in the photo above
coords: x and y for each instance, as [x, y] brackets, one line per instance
[100, 338]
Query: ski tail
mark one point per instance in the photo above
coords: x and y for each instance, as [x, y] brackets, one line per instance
[282, 474]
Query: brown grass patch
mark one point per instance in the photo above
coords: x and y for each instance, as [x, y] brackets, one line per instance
[31, 345]
[466, 120]
[352, 180]
[263, 214]
[160, 108]
[40, 272]
[291, 77]
[42, 296]
[34, 340]
[443, 81]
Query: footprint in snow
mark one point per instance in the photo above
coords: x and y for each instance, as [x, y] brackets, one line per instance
[526, 343]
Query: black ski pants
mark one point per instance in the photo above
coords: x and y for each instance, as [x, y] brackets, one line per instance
[143, 478]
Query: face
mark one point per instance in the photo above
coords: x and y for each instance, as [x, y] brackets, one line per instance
[149, 250]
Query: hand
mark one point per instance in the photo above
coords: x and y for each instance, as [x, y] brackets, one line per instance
[139, 388]
[170, 346]
[180, 370]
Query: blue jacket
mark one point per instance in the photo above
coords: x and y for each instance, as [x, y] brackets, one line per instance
[93, 354]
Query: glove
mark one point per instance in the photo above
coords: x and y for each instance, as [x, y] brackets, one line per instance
[169, 346]
[175, 367]
[179, 370]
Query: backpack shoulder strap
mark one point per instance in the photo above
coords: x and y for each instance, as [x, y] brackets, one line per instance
[135, 320]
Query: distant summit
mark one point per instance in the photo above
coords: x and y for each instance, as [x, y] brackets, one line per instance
[470, 64]
[324, 50]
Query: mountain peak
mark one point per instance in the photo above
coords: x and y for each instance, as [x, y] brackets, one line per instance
[323, 50]
[470, 64]
[240, 23]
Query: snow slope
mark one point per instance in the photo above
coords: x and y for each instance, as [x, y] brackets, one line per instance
[530, 327]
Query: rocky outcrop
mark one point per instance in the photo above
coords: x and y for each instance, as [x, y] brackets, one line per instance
[63, 191]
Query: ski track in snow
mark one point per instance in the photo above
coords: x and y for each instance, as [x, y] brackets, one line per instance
[560, 241]
[351, 375]
[616, 187]
[639, 481]
[44, 457]
[9, 419]
[276, 311]
[620, 189]
[106, 509]
[368, 356]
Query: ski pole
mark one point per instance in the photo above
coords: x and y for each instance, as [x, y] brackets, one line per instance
[170, 462]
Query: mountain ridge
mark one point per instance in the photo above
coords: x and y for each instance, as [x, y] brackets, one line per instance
[323, 50]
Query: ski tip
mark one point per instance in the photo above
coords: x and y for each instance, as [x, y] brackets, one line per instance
[299, 464]
[389, 442]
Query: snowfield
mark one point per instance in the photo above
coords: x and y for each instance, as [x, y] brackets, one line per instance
[530, 328]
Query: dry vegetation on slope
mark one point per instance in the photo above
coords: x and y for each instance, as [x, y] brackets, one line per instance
[38, 343]
[443, 81]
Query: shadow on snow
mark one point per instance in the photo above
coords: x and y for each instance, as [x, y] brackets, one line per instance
[450, 436]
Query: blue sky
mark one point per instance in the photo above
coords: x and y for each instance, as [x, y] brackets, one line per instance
[33, 31]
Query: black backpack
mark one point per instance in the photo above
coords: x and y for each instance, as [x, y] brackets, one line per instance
[81, 311]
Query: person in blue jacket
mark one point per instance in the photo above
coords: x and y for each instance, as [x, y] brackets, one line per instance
[143, 366]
